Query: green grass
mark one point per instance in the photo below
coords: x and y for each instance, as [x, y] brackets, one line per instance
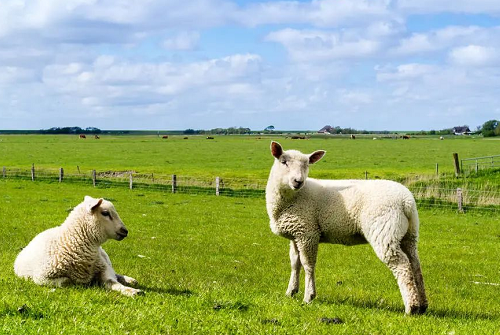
[238, 156]
[212, 266]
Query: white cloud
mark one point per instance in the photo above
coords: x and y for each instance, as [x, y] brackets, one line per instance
[314, 45]
[107, 81]
[319, 13]
[457, 6]
[474, 55]
[445, 38]
[406, 72]
[182, 41]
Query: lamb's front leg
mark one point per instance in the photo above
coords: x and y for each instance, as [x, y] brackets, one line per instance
[308, 252]
[125, 280]
[293, 285]
[109, 278]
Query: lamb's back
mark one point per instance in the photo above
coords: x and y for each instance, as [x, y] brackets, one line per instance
[346, 207]
[37, 254]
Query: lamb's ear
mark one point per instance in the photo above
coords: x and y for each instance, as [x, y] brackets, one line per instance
[316, 156]
[92, 203]
[276, 149]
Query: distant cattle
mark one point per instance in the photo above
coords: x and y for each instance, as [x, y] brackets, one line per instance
[82, 136]
[185, 137]
[441, 137]
[165, 136]
[96, 137]
[353, 137]
[406, 137]
[298, 137]
[210, 138]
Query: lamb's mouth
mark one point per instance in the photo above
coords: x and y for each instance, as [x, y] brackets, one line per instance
[120, 237]
[296, 185]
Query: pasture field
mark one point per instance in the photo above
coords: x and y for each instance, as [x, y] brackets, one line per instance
[210, 265]
[239, 156]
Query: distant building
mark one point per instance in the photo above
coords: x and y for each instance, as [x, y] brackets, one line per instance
[461, 130]
[326, 130]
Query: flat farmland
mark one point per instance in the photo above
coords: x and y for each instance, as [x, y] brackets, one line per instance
[239, 156]
[210, 265]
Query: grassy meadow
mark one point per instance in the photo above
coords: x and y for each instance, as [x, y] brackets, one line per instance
[210, 265]
[239, 156]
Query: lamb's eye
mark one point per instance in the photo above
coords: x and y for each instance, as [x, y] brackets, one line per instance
[105, 213]
[283, 162]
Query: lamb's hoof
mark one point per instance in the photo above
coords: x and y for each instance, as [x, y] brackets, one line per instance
[412, 310]
[291, 293]
[130, 280]
[309, 299]
[422, 309]
[130, 292]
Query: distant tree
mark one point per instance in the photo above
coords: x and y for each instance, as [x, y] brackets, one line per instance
[490, 128]
[269, 128]
[189, 132]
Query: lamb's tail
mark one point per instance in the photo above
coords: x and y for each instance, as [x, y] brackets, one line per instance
[411, 212]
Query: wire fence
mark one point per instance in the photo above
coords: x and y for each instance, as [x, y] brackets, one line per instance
[475, 164]
[427, 194]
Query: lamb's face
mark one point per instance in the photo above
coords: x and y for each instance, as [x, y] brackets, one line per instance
[293, 166]
[107, 218]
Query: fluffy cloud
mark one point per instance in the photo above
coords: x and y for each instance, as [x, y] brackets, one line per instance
[182, 41]
[474, 55]
[313, 45]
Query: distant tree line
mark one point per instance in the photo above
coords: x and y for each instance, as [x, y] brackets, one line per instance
[219, 131]
[71, 130]
[448, 131]
[490, 128]
[348, 130]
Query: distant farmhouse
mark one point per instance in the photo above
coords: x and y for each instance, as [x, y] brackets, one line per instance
[326, 130]
[461, 130]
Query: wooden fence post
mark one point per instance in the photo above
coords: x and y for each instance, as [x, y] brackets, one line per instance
[217, 185]
[460, 200]
[130, 181]
[61, 174]
[93, 177]
[477, 166]
[33, 172]
[174, 183]
[457, 164]
[437, 169]
[4, 172]
[366, 175]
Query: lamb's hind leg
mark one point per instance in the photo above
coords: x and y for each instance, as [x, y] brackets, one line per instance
[409, 246]
[397, 261]
[293, 285]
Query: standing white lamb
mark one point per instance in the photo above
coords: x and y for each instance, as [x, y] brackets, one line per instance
[310, 211]
[71, 253]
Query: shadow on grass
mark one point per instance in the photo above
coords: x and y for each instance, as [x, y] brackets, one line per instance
[169, 291]
[431, 312]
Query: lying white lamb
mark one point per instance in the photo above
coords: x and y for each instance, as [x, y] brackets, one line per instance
[72, 253]
[309, 211]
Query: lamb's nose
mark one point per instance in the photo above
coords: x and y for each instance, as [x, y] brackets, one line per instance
[123, 231]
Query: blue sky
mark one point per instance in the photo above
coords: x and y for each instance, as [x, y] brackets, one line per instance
[171, 64]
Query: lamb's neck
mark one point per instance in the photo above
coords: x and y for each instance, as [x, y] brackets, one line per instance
[278, 197]
[77, 230]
